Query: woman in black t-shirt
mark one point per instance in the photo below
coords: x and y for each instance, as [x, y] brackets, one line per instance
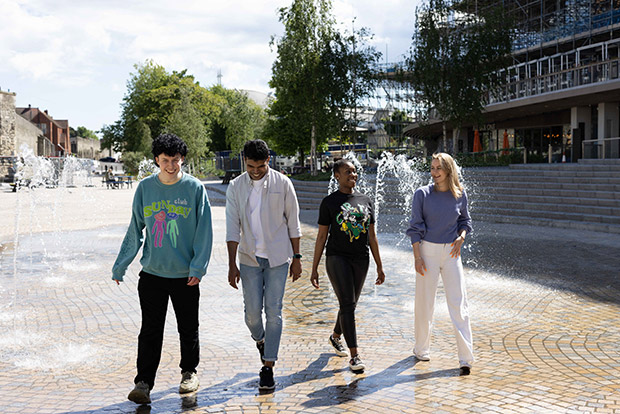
[348, 217]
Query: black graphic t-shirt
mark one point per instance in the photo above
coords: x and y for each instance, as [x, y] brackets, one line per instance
[348, 216]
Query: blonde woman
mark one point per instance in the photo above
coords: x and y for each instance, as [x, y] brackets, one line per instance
[439, 224]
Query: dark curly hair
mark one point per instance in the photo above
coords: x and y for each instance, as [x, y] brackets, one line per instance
[256, 150]
[168, 144]
[341, 162]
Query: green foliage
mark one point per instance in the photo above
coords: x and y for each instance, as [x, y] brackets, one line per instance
[457, 51]
[239, 119]
[158, 101]
[83, 132]
[496, 158]
[317, 75]
[131, 162]
[186, 122]
[395, 124]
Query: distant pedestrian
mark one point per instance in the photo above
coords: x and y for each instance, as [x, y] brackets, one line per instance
[172, 266]
[262, 226]
[439, 223]
[347, 224]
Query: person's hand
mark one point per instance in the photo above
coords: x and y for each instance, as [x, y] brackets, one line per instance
[233, 275]
[314, 279]
[295, 269]
[193, 281]
[456, 247]
[380, 276]
[420, 266]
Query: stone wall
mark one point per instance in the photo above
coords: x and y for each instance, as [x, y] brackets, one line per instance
[86, 147]
[8, 144]
[26, 133]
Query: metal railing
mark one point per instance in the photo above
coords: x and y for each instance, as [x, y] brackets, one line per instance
[601, 148]
[560, 80]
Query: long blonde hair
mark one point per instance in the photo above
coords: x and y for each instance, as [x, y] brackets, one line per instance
[449, 166]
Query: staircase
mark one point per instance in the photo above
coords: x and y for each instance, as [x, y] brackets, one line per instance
[584, 196]
[310, 193]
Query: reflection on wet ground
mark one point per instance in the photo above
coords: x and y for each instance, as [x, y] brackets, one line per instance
[544, 308]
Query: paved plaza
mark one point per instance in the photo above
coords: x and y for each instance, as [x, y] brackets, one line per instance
[544, 305]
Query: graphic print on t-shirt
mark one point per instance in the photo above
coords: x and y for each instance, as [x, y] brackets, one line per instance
[173, 229]
[159, 227]
[353, 220]
[160, 210]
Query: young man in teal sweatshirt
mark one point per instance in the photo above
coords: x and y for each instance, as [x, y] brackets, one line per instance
[176, 247]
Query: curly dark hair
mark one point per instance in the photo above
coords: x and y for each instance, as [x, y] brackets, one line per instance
[256, 150]
[340, 163]
[168, 144]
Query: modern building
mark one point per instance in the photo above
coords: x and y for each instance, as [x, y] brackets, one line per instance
[561, 94]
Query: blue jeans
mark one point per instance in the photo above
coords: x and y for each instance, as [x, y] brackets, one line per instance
[264, 284]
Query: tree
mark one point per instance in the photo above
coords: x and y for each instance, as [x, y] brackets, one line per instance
[187, 123]
[239, 119]
[157, 101]
[315, 77]
[458, 48]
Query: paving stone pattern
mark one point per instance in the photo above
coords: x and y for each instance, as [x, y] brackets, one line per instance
[544, 305]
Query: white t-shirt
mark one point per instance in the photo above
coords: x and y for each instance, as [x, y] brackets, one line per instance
[254, 204]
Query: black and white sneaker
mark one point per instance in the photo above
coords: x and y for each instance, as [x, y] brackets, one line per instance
[339, 348]
[261, 350]
[356, 364]
[266, 379]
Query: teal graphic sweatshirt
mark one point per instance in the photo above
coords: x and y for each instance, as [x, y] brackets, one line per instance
[178, 237]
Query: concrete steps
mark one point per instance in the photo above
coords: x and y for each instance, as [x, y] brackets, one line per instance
[579, 196]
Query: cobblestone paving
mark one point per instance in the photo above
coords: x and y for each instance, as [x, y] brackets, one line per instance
[545, 310]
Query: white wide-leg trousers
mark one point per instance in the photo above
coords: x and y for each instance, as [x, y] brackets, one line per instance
[438, 261]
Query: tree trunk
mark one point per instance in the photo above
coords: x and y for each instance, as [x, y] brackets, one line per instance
[313, 170]
[445, 137]
[302, 158]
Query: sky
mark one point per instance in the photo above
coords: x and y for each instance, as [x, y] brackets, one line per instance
[74, 58]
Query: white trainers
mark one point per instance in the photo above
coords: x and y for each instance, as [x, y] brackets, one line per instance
[422, 357]
[189, 382]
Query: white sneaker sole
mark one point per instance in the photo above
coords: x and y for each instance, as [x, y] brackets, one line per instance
[339, 353]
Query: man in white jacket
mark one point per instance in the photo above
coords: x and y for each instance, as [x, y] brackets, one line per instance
[262, 226]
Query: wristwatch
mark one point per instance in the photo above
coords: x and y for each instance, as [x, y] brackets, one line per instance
[297, 256]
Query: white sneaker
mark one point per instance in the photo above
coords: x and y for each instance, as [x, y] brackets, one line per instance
[422, 357]
[189, 382]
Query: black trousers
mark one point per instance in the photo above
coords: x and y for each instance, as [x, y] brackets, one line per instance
[347, 276]
[154, 292]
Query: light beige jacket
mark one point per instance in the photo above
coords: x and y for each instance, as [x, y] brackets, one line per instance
[279, 215]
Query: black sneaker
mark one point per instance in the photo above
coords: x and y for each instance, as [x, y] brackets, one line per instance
[338, 346]
[261, 350]
[266, 379]
[465, 370]
[141, 394]
[356, 364]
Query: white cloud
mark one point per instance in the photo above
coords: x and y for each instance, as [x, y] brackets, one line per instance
[88, 45]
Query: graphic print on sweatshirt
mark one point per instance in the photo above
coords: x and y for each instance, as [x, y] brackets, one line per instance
[173, 211]
[353, 220]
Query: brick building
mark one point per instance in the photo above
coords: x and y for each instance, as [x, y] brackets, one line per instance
[57, 131]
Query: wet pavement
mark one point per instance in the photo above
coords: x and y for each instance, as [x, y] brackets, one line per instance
[544, 305]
